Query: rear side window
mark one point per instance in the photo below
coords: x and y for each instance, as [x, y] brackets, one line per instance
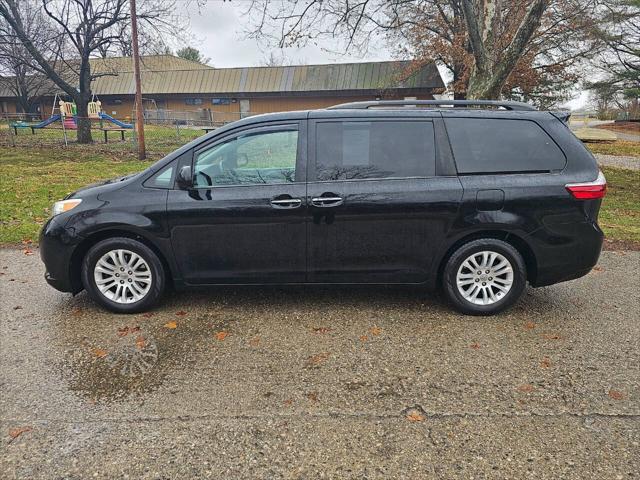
[378, 149]
[492, 145]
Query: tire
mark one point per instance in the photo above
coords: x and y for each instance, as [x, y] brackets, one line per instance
[484, 293]
[123, 275]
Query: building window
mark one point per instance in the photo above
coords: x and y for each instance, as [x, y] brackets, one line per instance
[220, 101]
[113, 101]
[193, 101]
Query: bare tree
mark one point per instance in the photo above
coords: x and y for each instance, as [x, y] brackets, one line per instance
[82, 29]
[26, 84]
[279, 60]
[484, 43]
[620, 61]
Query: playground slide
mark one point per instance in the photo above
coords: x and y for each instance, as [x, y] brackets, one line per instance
[109, 118]
[44, 123]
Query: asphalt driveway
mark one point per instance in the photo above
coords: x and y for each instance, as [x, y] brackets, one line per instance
[321, 383]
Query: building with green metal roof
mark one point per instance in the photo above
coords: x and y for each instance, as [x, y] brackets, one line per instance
[172, 86]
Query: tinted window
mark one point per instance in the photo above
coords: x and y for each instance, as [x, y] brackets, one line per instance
[483, 145]
[380, 149]
[162, 179]
[251, 158]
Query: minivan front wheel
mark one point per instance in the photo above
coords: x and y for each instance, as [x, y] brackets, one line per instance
[484, 277]
[123, 275]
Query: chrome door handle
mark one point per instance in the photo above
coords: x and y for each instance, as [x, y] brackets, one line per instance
[325, 202]
[286, 203]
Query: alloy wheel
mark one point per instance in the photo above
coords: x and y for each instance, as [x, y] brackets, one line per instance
[122, 276]
[484, 278]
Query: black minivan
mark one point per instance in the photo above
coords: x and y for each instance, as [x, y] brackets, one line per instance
[478, 199]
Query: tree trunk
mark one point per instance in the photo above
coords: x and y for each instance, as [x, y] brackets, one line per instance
[458, 72]
[82, 120]
[483, 87]
[82, 102]
[25, 105]
[493, 67]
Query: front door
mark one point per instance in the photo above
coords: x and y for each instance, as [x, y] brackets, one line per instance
[377, 210]
[244, 219]
[245, 108]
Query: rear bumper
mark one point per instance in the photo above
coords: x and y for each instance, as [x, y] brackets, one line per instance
[566, 252]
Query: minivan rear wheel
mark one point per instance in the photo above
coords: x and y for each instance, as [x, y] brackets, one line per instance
[484, 277]
[123, 275]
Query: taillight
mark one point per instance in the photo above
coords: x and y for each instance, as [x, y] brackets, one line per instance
[588, 190]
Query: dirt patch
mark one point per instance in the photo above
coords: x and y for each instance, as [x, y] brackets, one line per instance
[629, 127]
[617, 245]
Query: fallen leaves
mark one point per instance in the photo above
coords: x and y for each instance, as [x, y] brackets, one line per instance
[181, 313]
[16, 432]
[526, 388]
[17, 307]
[530, 325]
[596, 269]
[100, 352]
[140, 342]
[616, 395]
[171, 325]
[220, 336]
[27, 251]
[551, 336]
[317, 359]
[313, 396]
[475, 346]
[321, 330]
[545, 363]
[148, 314]
[363, 338]
[126, 330]
[375, 330]
[414, 416]
[254, 342]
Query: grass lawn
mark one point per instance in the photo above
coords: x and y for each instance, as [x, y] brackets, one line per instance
[620, 212]
[619, 147]
[31, 179]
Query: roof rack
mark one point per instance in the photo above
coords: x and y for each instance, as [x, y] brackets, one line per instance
[454, 103]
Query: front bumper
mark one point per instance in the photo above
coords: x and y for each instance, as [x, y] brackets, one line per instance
[57, 245]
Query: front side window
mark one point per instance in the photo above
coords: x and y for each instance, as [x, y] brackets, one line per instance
[249, 159]
[377, 149]
[162, 179]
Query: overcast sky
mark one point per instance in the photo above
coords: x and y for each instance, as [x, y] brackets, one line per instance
[218, 33]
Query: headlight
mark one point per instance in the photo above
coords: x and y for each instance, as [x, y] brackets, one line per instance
[65, 206]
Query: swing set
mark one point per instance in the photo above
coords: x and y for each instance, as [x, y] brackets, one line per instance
[68, 113]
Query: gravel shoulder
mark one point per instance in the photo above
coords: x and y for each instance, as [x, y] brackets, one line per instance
[631, 163]
[321, 383]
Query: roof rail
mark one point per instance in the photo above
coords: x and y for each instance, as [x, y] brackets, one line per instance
[454, 103]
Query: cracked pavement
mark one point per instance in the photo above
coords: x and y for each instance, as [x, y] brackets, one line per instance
[358, 382]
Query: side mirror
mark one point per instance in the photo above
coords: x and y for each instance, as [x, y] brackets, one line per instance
[184, 179]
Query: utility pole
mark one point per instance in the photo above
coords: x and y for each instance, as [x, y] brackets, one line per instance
[136, 68]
